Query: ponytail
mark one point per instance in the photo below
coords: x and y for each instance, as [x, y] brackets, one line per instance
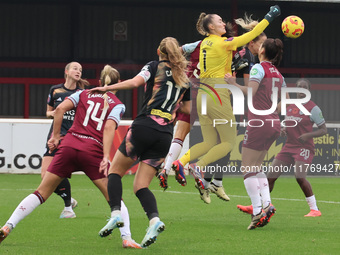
[108, 76]
[170, 49]
[202, 29]
[203, 22]
[273, 50]
[82, 83]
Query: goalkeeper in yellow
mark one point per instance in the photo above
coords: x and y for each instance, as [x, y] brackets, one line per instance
[216, 54]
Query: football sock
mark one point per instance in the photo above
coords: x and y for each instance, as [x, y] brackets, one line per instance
[64, 191]
[264, 189]
[218, 175]
[115, 212]
[217, 183]
[175, 150]
[68, 208]
[148, 202]
[206, 183]
[185, 159]
[25, 207]
[154, 220]
[125, 230]
[114, 188]
[207, 179]
[253, 189]
[312, 203]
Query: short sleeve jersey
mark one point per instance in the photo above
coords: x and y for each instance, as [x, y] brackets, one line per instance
[267, 75]
[56, 96]
[161, 98]
[194, 65]
[304, 124]
[86, 132]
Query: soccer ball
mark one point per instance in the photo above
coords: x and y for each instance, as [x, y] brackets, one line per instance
[293, 26]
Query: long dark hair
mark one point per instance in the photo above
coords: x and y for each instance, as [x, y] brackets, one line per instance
[273, 50]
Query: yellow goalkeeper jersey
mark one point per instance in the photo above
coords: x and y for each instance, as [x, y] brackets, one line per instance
[216, 52]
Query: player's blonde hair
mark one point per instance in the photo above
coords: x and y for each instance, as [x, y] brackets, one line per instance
[203, 22]
[169, 48]
[108, 76]
[248, 24]
[82, 82]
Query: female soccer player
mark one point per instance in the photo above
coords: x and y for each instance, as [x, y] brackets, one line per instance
[150, 134]
[245, 58]
[298, 149]
[183, 121]
[262, 133]
[215, 62]
[58, 93]
[86, 146]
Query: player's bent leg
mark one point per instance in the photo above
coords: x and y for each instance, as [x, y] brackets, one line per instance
[101, 184]
[49, 184]
[125, 231]
[46, 161]
[120, 164]
[275, 172]
[64, 191]
[144, 175]
[306, 187]
[182, 129]
[114, 191]
[26, 207]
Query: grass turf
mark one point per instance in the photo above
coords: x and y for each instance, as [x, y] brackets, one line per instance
[191, 226]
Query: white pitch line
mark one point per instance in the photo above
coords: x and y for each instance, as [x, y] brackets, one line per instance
[195, 193]
[273, 198]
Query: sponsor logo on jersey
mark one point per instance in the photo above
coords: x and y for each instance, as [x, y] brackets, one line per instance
[161, 114]
[298, 119]
[254, 71]
[59, 99]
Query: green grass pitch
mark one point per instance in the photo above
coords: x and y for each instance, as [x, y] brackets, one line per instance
[192, 227]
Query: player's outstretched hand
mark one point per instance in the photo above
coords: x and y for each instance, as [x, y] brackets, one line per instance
[274, 12]
[97, 90]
